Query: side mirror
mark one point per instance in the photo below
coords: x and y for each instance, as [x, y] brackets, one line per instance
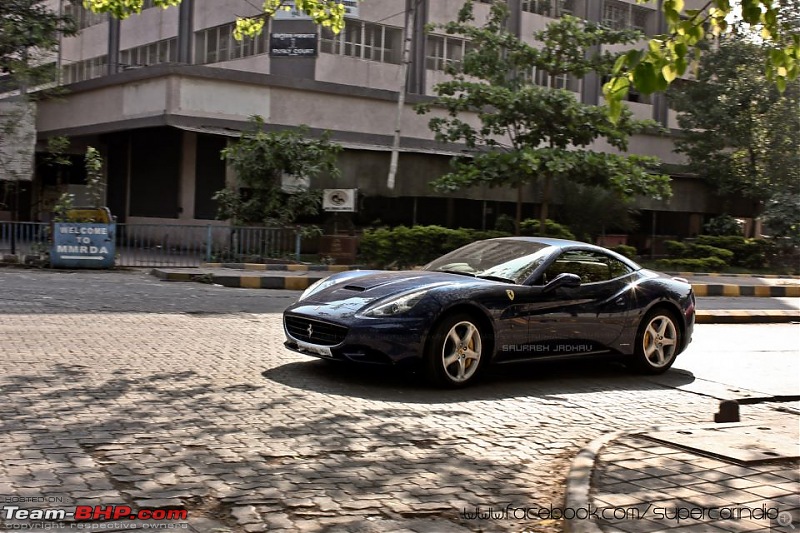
[564, 279]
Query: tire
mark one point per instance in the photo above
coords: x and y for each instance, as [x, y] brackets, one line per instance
[457, 350]
[658, 342]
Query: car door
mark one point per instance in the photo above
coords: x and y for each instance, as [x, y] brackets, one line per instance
[584, 319]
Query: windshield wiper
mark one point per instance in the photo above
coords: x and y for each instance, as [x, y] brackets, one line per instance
[496, 278]
[459, 272]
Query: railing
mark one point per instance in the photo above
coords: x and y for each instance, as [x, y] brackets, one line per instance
[145, 245]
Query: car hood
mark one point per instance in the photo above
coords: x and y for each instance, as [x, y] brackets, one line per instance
[353, 291]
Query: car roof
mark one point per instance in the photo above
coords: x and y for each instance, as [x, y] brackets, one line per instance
[565, 243]
[549, 241]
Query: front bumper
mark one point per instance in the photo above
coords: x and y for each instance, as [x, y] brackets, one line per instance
[398, 340]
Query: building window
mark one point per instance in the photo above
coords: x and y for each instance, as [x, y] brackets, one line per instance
[83, 17]
[215, 45]
[85, 70]
[443, 50]
[559, 81]
[364, 40]
[619, 15]
[165, 51]
[549, 8]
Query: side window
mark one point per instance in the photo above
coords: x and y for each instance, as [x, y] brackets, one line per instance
[592, 267]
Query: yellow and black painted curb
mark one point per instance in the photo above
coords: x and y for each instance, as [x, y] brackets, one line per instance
[764, 291]
[727, 275]
[243, 281]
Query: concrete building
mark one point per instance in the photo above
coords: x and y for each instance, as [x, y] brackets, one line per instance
[161, 94]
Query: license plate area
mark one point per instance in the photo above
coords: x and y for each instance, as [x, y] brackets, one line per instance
[322, 351]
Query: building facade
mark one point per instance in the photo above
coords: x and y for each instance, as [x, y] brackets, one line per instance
[161, 93]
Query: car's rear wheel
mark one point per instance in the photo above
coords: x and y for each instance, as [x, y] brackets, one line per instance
[657, 342]
[456, 351]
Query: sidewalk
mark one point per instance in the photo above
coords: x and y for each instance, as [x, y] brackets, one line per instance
[706, 478]
[744, 296]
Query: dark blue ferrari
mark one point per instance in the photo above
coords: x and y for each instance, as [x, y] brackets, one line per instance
[497, 301]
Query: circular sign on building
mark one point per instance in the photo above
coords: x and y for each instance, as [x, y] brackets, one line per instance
[343, 200]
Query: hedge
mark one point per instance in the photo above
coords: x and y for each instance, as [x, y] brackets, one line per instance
[706, 264]
[407, 247]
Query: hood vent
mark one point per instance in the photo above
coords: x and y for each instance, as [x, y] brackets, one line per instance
[355, 288]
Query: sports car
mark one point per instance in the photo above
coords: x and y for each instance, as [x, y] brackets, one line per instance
[497, 301]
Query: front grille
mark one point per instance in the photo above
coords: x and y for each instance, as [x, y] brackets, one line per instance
[315, 331]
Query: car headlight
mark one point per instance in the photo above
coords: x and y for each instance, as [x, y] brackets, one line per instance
[317, 286]
[395, 306]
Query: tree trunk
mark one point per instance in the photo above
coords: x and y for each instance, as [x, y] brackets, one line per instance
[518, 218]
[548, 182]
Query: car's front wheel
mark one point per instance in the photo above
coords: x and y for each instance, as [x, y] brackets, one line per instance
[657, 342]
[456, 351]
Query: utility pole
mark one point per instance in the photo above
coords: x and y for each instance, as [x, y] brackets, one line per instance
[401, 97]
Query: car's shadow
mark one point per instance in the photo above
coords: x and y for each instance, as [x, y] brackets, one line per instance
[539, 379]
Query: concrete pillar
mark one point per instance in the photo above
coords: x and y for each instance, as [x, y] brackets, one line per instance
[185, 32]
[186, 187]
[416, 70]
[592, 84]
[113, 45]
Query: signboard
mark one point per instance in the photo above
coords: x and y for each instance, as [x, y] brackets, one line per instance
[341, 200]
[293, 44]
[292, 13]
[82, 245]
[292, 184]
[17, 140]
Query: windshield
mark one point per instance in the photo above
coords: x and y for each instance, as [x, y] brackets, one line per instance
[502, 259]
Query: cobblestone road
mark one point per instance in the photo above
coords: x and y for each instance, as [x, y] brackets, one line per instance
[117, 388]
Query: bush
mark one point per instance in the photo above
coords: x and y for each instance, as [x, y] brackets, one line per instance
[406, 247]
[530, 227]
[747, 253]
[723, 225]
[707, 264]
[624, 249]
[675, 248]
[701, 251]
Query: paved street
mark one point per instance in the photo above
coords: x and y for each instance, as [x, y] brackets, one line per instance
[120, 389]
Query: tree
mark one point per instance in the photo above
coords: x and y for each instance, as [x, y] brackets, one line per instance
[329, 13]
[740, 133]
[29, 31]
[528, 132]
[262, 161]
[667, 56]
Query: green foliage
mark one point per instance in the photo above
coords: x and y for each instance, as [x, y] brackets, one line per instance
[747, 253]
[329, 13]
[65, 203]
[526, 132]
[782, 217]
[95, 186]
[689, 31]
[624, 249]
[592, 211]
[707, 264]
[740, 133]
[418, 245]
[505, 224]
[551, 229]
[261, 160]
[694, 250]
[723, 225]
[29, 30]
[676, 248]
